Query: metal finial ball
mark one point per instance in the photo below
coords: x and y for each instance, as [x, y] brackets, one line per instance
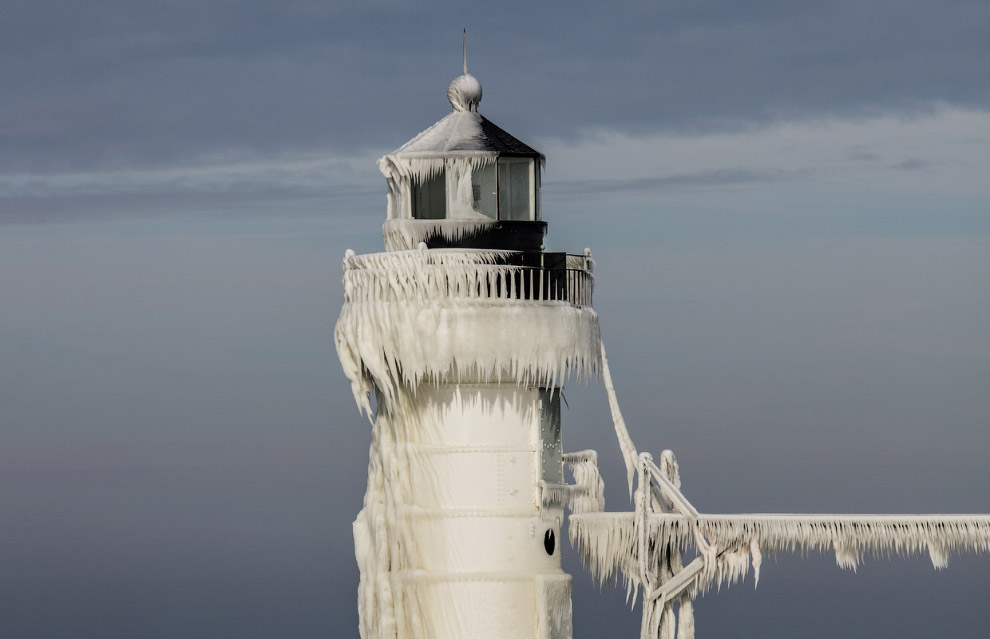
[464, 93]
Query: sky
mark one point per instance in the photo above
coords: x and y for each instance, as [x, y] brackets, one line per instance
[787, 202]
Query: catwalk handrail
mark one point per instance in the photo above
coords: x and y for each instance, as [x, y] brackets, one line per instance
[466, 274]
[645, 547]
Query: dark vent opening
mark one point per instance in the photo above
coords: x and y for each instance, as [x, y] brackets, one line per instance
[549, 542]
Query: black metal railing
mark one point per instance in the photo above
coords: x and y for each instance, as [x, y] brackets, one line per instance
[497, 275]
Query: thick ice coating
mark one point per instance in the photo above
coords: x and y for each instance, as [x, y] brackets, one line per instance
[459, 347]
[464, 93]
[416, 317]
[608, 541]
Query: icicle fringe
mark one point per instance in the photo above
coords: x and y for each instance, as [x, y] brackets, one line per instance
[608, 541]
[406, 234]
[421, 167]
[403, 171]
[588, 492]
[432, 316]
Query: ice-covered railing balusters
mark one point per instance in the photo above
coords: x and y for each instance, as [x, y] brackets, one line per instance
[442, 274]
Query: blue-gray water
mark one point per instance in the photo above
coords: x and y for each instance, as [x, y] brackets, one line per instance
[181, 455]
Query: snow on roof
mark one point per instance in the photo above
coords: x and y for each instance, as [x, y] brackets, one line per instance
[464, 132]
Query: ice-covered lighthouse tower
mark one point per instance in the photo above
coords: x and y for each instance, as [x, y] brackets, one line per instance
[456, 340]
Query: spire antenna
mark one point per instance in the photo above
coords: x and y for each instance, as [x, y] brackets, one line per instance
[465, 51]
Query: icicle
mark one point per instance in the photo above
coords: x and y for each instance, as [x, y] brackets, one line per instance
[938, 554]
[553, 497]
[754, 551]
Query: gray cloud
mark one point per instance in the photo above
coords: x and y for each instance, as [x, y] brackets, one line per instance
[701, 179]
[863, 156]
[121, 84]
[912, 164]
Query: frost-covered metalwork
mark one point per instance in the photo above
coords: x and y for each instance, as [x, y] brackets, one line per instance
[457, 352]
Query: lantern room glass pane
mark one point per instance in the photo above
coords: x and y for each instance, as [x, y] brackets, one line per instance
[483, 191]
[429, 198]
[515, 189]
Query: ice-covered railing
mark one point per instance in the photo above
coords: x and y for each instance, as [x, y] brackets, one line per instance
[851, 537]
[464, 315]
[586, 494]
[646, 546]
[465, 274]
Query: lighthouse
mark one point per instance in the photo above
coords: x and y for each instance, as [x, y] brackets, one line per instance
[457, 339]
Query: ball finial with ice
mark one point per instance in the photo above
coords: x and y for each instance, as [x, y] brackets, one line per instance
[464, 93]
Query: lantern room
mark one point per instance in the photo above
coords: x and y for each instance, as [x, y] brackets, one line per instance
[464, 182]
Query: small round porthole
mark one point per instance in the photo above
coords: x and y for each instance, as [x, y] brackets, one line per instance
[549, 542]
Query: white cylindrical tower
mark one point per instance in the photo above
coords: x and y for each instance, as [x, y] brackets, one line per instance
[462, 333]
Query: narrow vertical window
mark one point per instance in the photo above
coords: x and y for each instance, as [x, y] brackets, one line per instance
[429, 198]
[483, 189]
[515, 189]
